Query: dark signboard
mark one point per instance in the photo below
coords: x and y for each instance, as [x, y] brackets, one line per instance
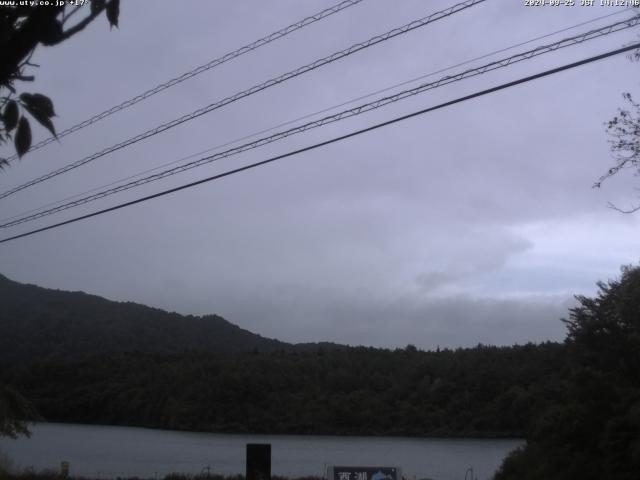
[364, 473]
[258, 461]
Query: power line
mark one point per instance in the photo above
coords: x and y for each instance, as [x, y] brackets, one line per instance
[255, 89]
[309, 115]
[339, 116]
[197, 71]
[465, 98]
[502, 63]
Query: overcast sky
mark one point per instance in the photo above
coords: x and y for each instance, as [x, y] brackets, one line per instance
[475, 223]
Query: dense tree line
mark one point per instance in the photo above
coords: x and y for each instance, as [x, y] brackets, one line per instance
[577, 403]
[483, 391]
[592, 431]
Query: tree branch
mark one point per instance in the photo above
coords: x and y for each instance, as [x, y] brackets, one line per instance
[617, 209]
[65, 18]
[78, 27]
[25, 40]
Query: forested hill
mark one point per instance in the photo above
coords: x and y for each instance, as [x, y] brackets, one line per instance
[36, 322]
[483, 391]
[82, 358]
[577, 403]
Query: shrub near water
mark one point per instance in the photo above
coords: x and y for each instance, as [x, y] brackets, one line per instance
[6, 464]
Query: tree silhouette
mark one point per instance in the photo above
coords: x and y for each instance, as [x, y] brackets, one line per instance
[624, 133]
[14, 410]
[624, 138]
[593, 431]
[22, 29]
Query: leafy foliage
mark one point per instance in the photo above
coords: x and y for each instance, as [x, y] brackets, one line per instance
[6, 465]
[113, 12]
[577, 403]
[593, 432]
[604, 331]
[23, 136]
[85, 359]
[14, 409]
[483, 391]
[41, 108]
[11, 115]
[624, 135]
[22, 29]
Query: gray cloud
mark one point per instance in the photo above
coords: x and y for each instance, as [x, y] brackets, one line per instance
[472, 224]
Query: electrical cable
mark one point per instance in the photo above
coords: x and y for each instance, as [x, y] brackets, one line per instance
[255, 89]
[505, 62]
[334, 140]
[309, 115]
[196, 71]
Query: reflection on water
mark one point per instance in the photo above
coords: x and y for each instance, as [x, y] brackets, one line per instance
[101, 451]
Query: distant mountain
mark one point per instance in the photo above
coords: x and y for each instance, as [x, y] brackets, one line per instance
[37, 322]
[84, 359]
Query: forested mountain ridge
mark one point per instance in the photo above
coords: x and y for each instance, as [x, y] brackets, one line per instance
[481, 391]
[82, 358]
[37, 322]
[577, 403]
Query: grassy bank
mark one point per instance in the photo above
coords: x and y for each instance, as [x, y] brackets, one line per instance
[50, 475]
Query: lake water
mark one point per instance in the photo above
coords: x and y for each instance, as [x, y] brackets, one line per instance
[106, 452]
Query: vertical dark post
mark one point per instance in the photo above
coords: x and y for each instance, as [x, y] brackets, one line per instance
[64, 469]
[258, 461]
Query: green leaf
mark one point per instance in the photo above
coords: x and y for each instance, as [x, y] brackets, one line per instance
[51, 33]
[37, 101]
[44, 121]
[23, 137]
[10, 115]
[113, 12]
[97, 6]
[41, 108]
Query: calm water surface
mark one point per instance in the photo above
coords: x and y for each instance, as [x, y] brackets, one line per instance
[102, 451]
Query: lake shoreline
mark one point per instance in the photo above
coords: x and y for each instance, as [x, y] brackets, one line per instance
[101, 452]
[51, 475]
[471, 435]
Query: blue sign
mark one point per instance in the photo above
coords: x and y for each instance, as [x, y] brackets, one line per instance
[364, 473]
